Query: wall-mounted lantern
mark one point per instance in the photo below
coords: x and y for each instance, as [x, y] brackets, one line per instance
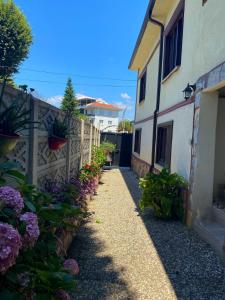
[189, 91]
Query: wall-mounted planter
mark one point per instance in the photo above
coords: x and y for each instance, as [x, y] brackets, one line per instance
[56, 143]
[8, 143]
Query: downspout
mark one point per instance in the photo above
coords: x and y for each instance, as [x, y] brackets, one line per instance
[155, 120]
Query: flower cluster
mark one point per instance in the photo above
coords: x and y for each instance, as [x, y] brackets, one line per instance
[24, 279]
[11, 198]
[72, 266]
[10, 244]
[32, 229]
[85, 187]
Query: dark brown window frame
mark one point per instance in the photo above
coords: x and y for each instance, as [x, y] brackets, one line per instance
[164, 144]
[173, 41]
[142, 89]
[137, 140]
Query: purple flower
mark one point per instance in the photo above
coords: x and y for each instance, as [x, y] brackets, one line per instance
[10, 244]
[11, 198]
[24, 279]
[32, 229]
[63, 295]
[85, 187]
[72, 266]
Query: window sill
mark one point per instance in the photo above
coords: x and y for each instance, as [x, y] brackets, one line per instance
[170, 74]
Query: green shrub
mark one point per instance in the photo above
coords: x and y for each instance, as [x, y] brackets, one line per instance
[162, 192]
[107, 147]
[98, 156]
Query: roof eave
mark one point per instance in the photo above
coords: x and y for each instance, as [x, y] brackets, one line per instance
[142, 31]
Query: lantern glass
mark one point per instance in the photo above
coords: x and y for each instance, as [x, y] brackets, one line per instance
[188, 92]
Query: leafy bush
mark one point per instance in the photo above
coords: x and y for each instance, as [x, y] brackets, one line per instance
[29, 221]
[14, 119]
[162, 193]
[59, 129]
[107, 147]
[98, 156]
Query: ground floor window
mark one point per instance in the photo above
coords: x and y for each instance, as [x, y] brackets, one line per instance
[164, 144]
[137, 141]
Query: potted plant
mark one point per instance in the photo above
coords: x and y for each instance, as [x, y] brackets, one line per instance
[57, 139]
[108, 149]
[13, 119]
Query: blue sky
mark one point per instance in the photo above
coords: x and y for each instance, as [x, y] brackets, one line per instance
[83, 39]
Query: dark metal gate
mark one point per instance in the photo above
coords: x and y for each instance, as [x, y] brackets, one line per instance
[123, 142]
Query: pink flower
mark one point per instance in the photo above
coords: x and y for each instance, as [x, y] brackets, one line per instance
[32, 229]
[63, 295]
[10, 244]
[11, 198]
[72, 266]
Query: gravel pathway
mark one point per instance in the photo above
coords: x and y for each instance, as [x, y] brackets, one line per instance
[125, 255]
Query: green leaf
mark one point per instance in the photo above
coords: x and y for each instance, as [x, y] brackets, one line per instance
[8, 295]
[30, 205]
[16, 174]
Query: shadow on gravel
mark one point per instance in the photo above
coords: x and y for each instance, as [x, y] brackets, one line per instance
[192, 266]
[98, 278]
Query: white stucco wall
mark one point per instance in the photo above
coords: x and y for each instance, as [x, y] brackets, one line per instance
[203, 49]
[146, 141]
[102, 126]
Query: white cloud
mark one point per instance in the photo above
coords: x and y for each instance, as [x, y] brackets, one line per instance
[125, 96]
[81, 95]
[55, 100]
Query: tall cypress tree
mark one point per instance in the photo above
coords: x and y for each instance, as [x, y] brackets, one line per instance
[69, 103]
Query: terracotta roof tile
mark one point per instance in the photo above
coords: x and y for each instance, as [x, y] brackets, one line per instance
[103, 105]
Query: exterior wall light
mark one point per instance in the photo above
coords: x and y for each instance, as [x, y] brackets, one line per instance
[189, 91]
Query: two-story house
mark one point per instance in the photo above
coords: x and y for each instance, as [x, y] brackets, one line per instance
[180, 107]
[103, 115]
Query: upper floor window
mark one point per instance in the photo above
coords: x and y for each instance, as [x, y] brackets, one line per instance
[142, 87]
[101, 122]
[173, 45]
[109, 122]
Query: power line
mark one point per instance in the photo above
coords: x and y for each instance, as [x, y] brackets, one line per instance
[71, 74]
[77, 84]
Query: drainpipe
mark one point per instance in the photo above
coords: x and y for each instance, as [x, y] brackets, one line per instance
[155, 120]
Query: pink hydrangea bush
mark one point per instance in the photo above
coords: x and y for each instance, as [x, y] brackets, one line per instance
[32, 230]
[11, 198]
[72, 266]
[10, 244]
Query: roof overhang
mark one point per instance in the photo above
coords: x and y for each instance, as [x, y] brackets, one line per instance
[149, 35]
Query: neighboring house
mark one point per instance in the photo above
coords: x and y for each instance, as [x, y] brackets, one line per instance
[183, 42]
[102, 115]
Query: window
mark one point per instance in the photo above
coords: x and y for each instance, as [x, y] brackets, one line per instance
[101, 121]
[137, 141]
[173, 45]
[109, 122]
[164, 144]
[204, 2]
[142, 87]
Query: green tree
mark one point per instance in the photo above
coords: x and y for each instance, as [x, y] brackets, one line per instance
[125, 125]
[69, 103]
[15, 40]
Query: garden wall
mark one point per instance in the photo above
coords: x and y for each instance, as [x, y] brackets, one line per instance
[32, 152]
